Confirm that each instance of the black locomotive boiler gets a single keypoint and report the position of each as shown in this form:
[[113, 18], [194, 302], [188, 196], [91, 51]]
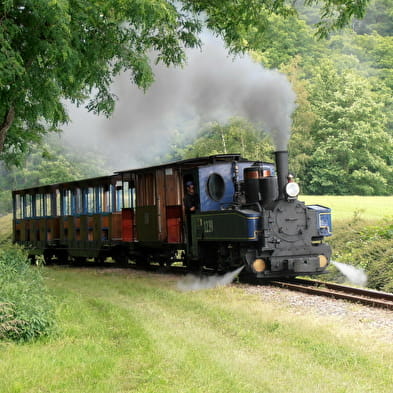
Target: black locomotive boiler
[[247, 214]]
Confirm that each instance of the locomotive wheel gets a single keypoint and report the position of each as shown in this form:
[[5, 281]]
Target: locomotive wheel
[[121, 259], [193, 265], [142, 262], [61, 257], [33, 259], [48, 257], [100, 260], [79, 260]]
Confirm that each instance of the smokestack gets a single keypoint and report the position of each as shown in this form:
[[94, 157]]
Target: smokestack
[[282, 171]]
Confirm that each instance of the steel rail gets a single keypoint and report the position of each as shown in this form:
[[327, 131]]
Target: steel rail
[[357, 295]]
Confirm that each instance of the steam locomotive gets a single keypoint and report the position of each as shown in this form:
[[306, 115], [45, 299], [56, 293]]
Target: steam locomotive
[[248, 215]]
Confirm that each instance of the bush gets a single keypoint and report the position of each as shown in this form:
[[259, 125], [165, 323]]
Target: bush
[[26, 310], [370, 247]]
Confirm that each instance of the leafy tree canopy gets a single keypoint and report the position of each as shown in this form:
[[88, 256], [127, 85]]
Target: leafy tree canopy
[[285, 38], [52, 50], [353, 149], [378, 18], [237, 136], [373, 51]]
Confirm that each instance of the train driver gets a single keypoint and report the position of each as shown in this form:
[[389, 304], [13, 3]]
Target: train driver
[[191, 205], [191, 200]]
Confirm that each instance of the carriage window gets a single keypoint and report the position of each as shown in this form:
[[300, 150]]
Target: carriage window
[[47, 204], [119, 196], [28, 210], [18, 207], [67, 202], [99, 198], [107, 199], [215, 186], [126, 199], [78, 201], [39, 207], [128, 194], [58, 203], [90, 196]]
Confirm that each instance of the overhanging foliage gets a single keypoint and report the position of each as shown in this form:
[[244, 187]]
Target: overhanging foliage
[[53, 50]]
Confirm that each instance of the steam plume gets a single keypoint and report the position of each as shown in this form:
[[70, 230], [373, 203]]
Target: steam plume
[[211, 87], [196, 283], [354, 275]]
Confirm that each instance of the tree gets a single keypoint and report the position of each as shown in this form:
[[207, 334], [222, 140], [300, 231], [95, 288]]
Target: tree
[[378, 18], [285, 38], [47, 164], [373, 51], [352, 149], [238, 136], [301, 144], [56, 50]]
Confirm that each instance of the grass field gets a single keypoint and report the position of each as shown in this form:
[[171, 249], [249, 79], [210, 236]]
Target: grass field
[[347, 207], [135, 332]]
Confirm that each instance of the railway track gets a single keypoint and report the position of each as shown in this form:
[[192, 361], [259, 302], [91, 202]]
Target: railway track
[[357, 295]]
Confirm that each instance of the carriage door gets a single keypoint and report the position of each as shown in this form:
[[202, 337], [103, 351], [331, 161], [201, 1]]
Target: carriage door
[[146, 208], [173, 206], [168, 202]]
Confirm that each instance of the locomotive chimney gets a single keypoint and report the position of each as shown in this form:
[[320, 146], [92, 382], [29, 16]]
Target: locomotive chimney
[[282, 171]]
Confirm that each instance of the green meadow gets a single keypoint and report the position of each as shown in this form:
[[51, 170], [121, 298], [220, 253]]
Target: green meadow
[[353, 206], [128, 331]]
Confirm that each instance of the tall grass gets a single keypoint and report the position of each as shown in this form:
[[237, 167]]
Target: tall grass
[[26, 311]]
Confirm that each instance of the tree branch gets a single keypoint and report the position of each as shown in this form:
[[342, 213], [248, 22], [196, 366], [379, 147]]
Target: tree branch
[[6, 125]]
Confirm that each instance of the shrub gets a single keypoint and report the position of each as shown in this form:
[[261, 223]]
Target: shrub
[[26, 310], [367, 246]]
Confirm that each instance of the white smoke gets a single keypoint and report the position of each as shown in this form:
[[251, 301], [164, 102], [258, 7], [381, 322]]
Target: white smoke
[[197, 283], [354, 275], [211, 87]]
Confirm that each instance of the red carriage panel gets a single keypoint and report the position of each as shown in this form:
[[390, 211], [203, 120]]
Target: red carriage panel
[[128, 223]]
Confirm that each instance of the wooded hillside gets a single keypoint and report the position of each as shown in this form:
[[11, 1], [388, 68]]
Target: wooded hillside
[[342, 132]]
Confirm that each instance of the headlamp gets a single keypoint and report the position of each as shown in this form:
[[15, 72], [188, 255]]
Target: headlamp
[[292, 189]]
